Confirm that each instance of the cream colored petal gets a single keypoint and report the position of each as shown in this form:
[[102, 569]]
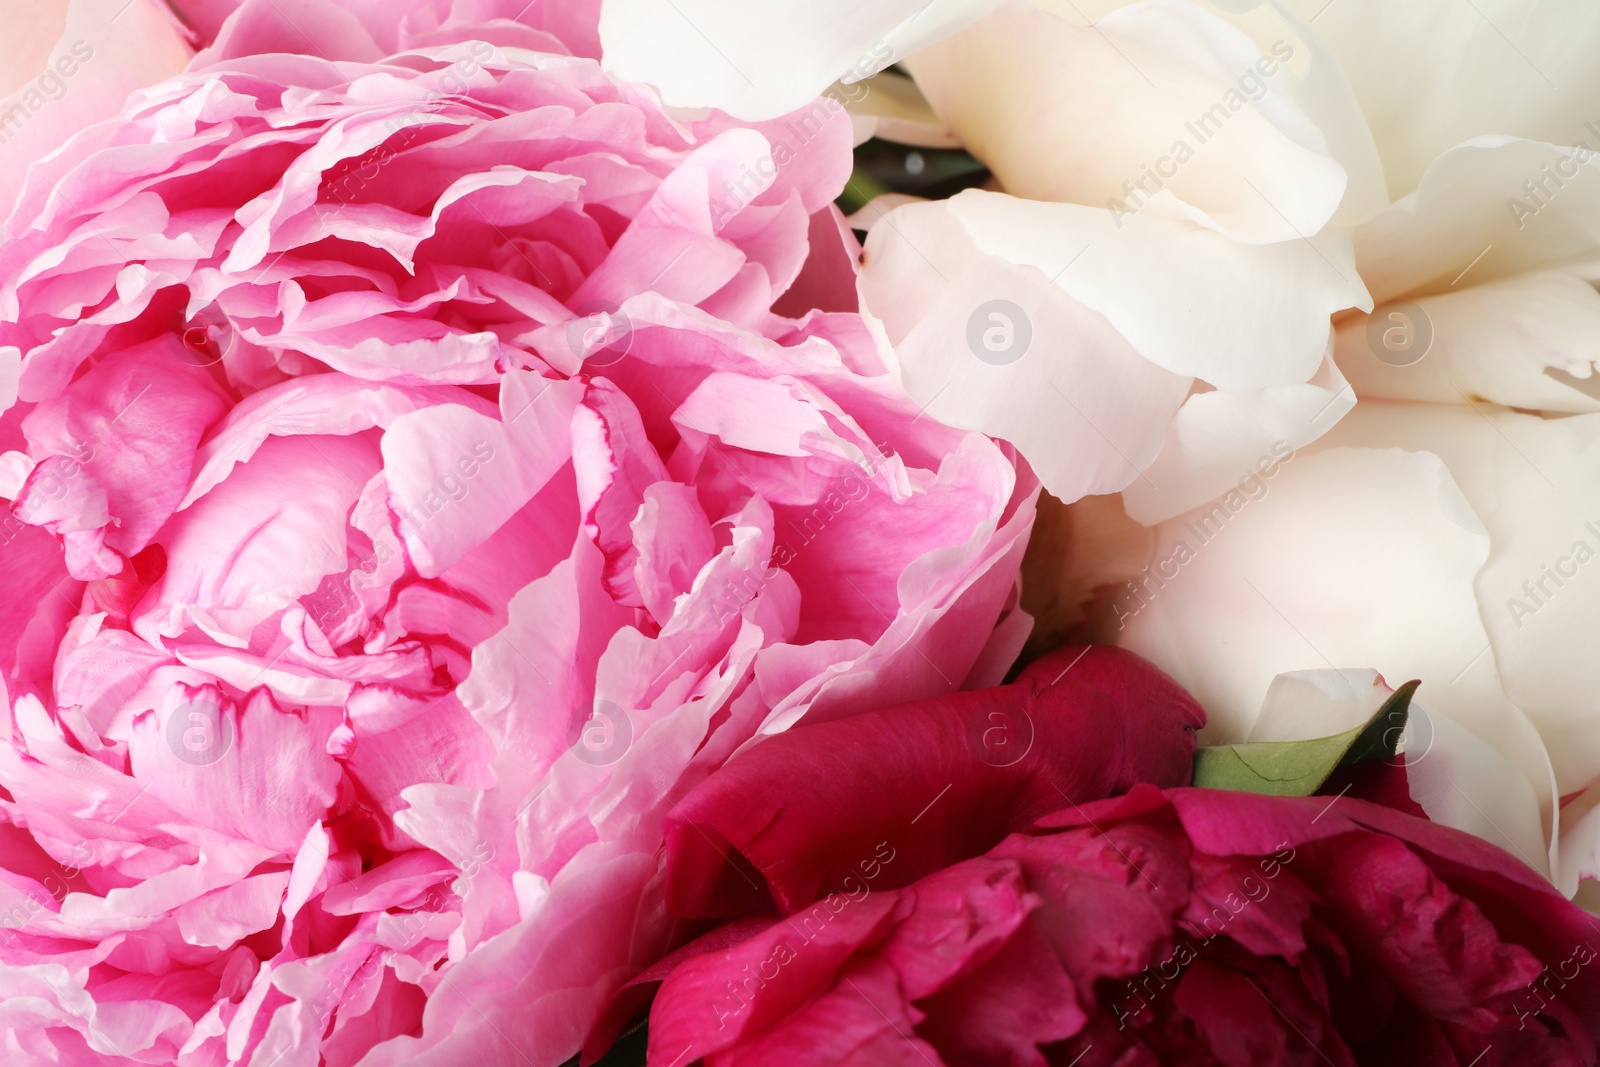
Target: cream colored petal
[[989, 345], [107, 50], [1238, 316], [1486, 209], [1220, 441], [1431, 74], [32, 29], [1535, 483], [1157, 98], [762, 60], [1463, 781], [1349, 556], [1457, 778], [1529, 341]]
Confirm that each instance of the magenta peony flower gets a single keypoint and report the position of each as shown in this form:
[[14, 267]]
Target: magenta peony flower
[[1166, 926], [429, 459]]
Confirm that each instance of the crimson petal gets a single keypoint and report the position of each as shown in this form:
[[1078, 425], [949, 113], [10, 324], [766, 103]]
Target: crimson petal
[[883, 798]]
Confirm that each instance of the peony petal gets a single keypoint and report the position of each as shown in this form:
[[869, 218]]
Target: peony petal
[[230, 914], [1220, 441], [758, 64], [1531, 592], [1192, 123], [138, 449], [1086, 408], [455, 476], [107, 49], [1439, 73], [1527, 341], [1456, 778], [265, 537], [1461, 225], [34, 29], [1275, 334], [695, 1009], [984, 764]]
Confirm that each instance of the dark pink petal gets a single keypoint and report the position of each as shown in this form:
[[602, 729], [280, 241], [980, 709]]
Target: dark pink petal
[[960, 917], [717, 1000], [639, 990], [1438, 948], [895, 794], [1018, 1000], [1246, 1021], [864, 1020], [1111, 894], [1256, 902]]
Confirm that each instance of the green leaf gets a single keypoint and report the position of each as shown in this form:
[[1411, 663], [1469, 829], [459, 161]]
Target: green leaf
[[1298, 768]]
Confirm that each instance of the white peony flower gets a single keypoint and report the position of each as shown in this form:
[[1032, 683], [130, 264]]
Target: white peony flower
[[1148, 305]]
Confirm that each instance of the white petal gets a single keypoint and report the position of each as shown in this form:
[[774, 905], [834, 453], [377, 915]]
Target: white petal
[[1454, 775], [1220, 441], [1305, 705], [1156, 98], [1530, 341], [1489, 208], [986, 345], [1535, 483], [1580, 840], [1240, 317], [1433, 73], [1460, 780], [1350, 556], [879, 206], [759, 61]]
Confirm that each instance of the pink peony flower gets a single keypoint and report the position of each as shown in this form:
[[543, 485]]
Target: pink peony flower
[[1165, 926], [429, 459]]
